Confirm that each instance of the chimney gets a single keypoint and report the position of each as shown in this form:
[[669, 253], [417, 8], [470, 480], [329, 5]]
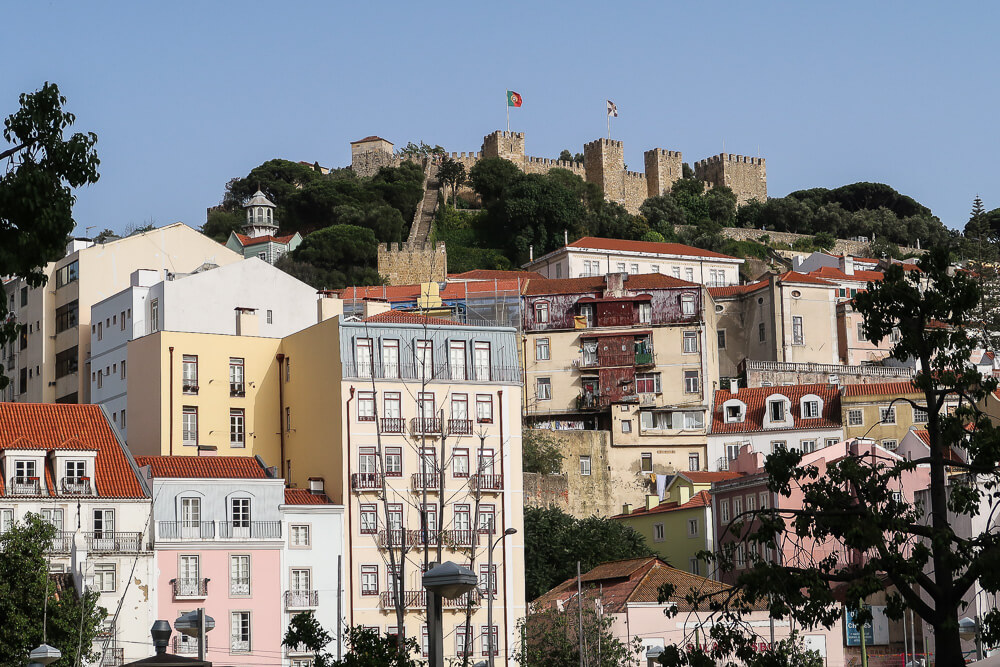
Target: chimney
[[246, 322], [627, 508], [652, 501], [847, 265], [316, 486], [734, 386], [328, 306], [376, 308]]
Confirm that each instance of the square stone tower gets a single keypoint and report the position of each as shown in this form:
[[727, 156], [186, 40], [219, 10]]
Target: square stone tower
[[746, 176], [508, 145], [604, 162], [663, 167]]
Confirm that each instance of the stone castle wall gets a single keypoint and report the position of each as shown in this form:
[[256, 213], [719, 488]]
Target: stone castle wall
[[746, 176], [411, 263]]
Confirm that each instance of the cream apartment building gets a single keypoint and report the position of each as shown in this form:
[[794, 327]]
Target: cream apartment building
[[50, 361]]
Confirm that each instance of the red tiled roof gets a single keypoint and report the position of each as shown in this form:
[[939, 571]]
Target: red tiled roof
[[596, 284], [57, 427], [490, 274], [880, 389], [700, 499], [208, 467], [834, 273], [404, 317], [734, 290], [756, 401], [305, 497], [248, 241], [644, 246]]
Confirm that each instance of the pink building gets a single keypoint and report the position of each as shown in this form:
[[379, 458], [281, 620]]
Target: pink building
[[218, 543]]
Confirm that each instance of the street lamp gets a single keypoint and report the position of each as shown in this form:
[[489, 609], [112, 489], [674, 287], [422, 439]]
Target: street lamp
[[450, 581], [490, 583]]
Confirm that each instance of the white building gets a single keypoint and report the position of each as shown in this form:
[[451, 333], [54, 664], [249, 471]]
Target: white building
[[202, 302], [805, 417], [69, 464], [592, 256]]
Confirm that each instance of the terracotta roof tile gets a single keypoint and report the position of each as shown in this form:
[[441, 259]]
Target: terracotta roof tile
[[206, 467], [305, 497], [596, 284], [880, 389], [644, 246], [52, 426], [756, 403]]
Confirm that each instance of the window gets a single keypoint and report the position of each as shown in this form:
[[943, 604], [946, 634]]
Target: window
[[887, 415], [920, 416], [724, 511], [626, 426], [237, 428], [64, 276], [645, 313], [236, 385], [369, 519], [456, 359], [104, 577], [239, 576], [721, 333], [363, 356], [777, 410], [541, 312], [300, 535], [425, 359], [366, 406], [890, 445], [189, 425], [810, 409], [855, 417], [692, 383], [393, 462], [543, 389], [390, 358], [481, 360], [490, 640], [585, 465], [541, 349], [189, 377], [761, 333], [460, 462], [240, 632], [690, 342], [647, 383], [154, 315], [798, 336], [687, 305], [66, 316], [658, 534], [484, 408], [692, 527], [647, 462], [693, 462]]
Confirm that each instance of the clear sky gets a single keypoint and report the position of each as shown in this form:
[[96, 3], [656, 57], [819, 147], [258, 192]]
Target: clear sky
[[186, 95]]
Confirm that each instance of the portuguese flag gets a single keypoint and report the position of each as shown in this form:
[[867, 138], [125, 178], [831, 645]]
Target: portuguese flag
[[513, 99]]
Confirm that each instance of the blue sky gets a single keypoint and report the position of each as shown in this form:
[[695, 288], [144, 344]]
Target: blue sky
[[185, 95]]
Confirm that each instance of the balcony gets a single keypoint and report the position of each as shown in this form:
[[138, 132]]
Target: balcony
[[418, 600], [25, 486], [253, 530], [425, 480], [187, 645], [301, 600], [460, 427], [185, 530], [366, 481], [486, 483], [425, 425], [112, 657], [75, 486], [106, 541], [393, 424], [190, 588]]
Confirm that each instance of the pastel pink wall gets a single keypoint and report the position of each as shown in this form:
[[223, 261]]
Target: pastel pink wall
[[265, 602]]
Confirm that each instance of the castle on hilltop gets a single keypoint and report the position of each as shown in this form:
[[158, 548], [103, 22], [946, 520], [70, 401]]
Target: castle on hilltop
[[603, 163]]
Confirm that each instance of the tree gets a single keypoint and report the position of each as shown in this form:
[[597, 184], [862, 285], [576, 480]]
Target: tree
[[557, 540], [911, 551], [368, 648], [540, 452], [452, 172], [25, 582], [220, 223], [305, 630], [36, 191], [335, 257], [552, 638]]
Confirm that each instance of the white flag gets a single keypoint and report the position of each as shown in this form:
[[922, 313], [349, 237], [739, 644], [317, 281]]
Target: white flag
[[612, 109]]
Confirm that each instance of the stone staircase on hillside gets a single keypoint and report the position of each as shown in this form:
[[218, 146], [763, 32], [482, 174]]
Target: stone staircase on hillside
[[420, 230]]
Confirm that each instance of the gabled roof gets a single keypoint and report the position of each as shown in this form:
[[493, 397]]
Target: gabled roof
[[881, 389], [596, 284], [651, 247], [60, 427], [305, 497], [756, 401], [203, 467], [245, 240], [404, 317]]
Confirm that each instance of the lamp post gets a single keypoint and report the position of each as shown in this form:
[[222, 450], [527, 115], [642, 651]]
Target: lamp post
[[490, 583], [450, 581]]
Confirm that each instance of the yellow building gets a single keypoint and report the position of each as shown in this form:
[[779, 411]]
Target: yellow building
[[50, 361], [681, 525], [876, 411]]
